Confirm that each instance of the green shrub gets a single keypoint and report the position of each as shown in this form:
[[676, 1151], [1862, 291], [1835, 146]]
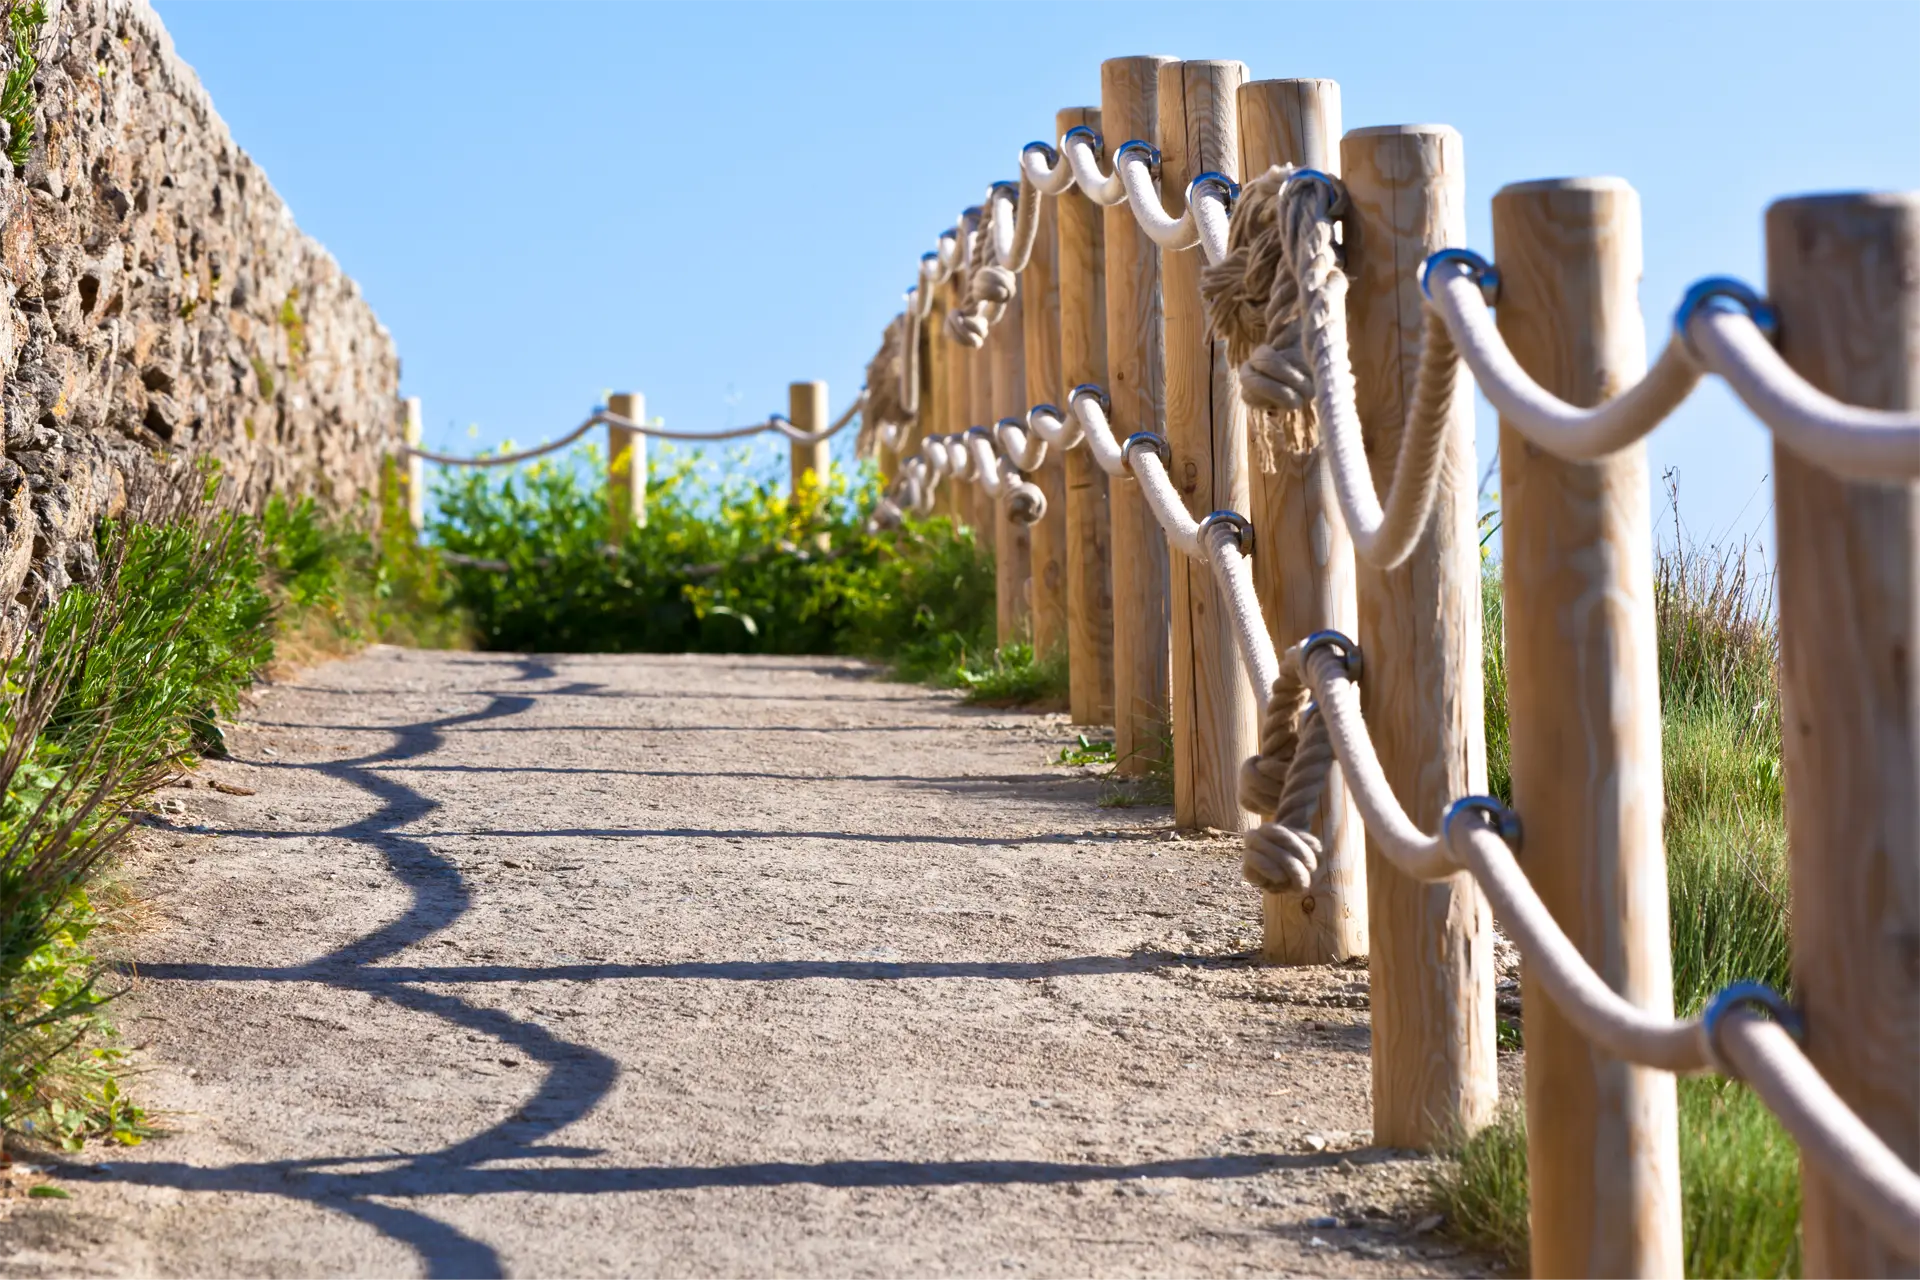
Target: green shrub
[[723, 564]]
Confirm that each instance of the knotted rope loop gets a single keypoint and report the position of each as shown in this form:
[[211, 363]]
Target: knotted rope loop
[[1283, 785]]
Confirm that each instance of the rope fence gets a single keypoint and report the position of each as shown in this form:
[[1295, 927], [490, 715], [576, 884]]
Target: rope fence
[[1267, 434], [1275, 286]]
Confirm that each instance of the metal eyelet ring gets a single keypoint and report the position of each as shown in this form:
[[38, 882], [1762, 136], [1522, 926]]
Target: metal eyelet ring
[[1151, 152], [1039, 409], [1012, 188], [1228, 188], [930, 255], [1011, 422], [1746, 995], [1336, 193], [1053, 157], [970, 219], [1095, 390], [1092, 135], [1241, 526], [1484, 273], [1727, 294], [977, 431], [1503, 821], [1349, 652], [1146, 440]]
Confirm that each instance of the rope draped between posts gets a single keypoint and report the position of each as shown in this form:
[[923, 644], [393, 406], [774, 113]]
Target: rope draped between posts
[[775, 422], [1276, 290]]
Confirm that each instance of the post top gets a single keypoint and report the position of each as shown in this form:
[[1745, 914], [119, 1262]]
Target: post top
[[1402, 130], [1603, 183]]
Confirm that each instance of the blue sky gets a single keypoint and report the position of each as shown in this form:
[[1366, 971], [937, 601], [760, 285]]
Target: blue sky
[[702, 203]]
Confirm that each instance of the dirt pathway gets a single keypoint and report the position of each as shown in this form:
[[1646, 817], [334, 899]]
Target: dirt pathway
[[709, 966]]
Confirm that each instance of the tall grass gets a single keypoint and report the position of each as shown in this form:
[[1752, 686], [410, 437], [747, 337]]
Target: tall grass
[[1727, 904]]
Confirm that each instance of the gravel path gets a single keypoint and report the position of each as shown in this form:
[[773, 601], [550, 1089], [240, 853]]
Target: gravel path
[[709, 966]]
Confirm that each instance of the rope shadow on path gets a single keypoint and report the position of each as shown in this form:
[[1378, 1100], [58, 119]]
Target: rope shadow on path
[[577, 1077]]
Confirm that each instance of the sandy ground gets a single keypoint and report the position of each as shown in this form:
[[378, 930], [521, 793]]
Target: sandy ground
[[709, 966]]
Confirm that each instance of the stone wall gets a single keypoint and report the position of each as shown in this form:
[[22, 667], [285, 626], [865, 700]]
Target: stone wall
[[161, 306]]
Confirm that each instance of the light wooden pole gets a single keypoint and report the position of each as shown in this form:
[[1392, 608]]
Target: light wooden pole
[[986, 518], [414, 467], [1303, 562], [1844, 272], [1013, 542], [946, 391], [1047, 537], [1584, 703], [1136, 371], [807, 408], [1214, 715], [1080, 264], [626, 467], [1431, 964]]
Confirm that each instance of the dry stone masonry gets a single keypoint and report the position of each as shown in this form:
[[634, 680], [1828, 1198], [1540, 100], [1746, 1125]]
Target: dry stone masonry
[[161, 306]]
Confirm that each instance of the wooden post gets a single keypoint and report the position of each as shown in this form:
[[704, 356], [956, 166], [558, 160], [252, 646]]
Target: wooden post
[[1040, 327], [1584, 701], [1303, 561], [626, 468], [415, 468], [1844, 271], [807, 407], [986, 517], [1214, 715], [1431, 964], [1136, 373], [1083, 359], [944, 378], [1013, 541]]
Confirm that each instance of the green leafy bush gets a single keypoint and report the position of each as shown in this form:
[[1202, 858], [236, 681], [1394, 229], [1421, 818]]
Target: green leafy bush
[[723, 564]]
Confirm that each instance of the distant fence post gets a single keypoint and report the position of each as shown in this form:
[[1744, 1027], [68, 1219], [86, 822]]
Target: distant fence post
[[415, 468], [1136, 371], [1431, 945], [626, 467], [1006, 359], [1584, 701], [1079, 267], [807, 410], [1047, 537], [1214, 715], [1303, 562], [1844, 272]]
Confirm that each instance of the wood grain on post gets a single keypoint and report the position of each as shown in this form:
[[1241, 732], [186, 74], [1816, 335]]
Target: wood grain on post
[[1047, 537], [1584, 704], [985, 517], [1214, 715], [945, 389], [807, 409], [1136, 382], [413, 468], [626, 468], [1081, 271], [1303, 559], [1013, 542], [1844, 272], [1431, 962]]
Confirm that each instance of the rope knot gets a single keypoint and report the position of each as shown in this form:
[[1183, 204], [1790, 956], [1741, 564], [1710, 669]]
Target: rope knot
[[1284, 784]]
